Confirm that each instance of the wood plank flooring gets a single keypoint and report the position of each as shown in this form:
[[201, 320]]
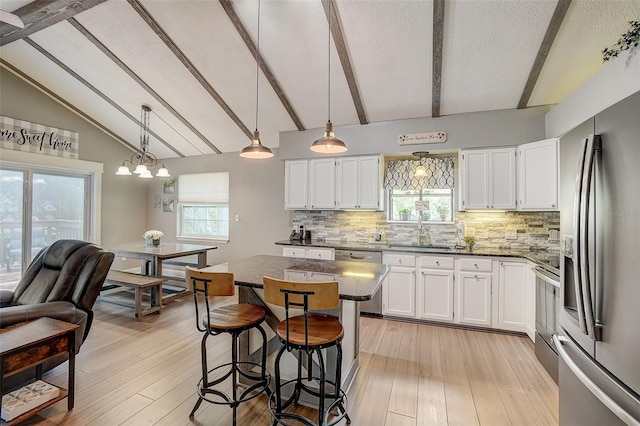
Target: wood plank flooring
[[145, 373]]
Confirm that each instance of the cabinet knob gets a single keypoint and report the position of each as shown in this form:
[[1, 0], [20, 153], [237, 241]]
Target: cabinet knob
[[438, 262], [476, 265], [553, 205], [400, 261], [475, 276]]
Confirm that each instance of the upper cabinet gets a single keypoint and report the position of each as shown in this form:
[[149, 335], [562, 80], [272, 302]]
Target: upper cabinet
[[488, 179], [358, 183], [538, 175], [334, 183], [295, 184]]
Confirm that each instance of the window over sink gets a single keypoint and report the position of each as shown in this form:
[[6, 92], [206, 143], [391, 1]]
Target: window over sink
[[429, 179]]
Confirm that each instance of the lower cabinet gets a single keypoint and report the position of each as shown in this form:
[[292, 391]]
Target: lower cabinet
[[399, 288], [474, 298], [435, 288], [512, 296], [309, 253]]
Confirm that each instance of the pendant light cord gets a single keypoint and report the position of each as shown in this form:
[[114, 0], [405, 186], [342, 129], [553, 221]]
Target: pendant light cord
[[258, 66], [329, 62]]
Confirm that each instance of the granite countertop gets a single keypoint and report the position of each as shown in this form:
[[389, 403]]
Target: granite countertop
[[549, 259], [356, 281]]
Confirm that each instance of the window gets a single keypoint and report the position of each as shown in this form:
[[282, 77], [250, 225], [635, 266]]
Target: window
[[203, 206], [434, 186]]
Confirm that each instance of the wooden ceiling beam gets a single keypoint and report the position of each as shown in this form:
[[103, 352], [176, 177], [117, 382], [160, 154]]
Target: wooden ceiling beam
[[153, 24], [227, 5], [41, 14], [95, 90], [543, 52], [85, 32], [343, 54], [438, 39]]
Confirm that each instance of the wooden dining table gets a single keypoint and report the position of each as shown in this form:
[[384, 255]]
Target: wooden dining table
[[151, 258]]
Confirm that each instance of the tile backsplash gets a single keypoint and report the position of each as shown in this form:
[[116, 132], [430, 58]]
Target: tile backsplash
[[538, 230]]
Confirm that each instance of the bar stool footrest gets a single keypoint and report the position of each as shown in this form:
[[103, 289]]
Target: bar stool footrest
[[252, 391]]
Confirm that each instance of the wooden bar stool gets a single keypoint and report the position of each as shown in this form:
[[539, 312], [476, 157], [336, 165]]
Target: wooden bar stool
[[308, 333], [232, 319]]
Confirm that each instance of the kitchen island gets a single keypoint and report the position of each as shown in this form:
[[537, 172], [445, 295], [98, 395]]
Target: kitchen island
[[356, 281]]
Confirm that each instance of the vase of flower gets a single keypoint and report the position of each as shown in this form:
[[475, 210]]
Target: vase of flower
[[152, 238]]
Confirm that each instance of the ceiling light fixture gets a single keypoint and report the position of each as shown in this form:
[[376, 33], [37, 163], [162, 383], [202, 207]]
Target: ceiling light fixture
[[143, 160], [329, 144], [256, 149]]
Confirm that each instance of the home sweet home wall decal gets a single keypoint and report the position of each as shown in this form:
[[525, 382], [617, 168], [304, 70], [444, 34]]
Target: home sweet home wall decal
[[20, 135]]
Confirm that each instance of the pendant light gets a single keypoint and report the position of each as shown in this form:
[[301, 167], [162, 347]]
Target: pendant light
[[256, 150], [329, 144]]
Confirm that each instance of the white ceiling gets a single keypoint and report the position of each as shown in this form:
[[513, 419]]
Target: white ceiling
[[488, 50]]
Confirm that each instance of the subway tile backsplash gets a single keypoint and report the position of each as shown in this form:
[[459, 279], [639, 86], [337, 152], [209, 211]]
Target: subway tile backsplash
[[526, 230]]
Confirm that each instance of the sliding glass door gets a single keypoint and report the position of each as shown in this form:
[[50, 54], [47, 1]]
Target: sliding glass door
[[39, 207]]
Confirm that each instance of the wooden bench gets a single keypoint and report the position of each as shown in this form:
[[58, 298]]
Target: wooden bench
[[137, 283]]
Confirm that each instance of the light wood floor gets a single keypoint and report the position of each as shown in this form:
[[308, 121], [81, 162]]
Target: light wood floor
[[145, 373]]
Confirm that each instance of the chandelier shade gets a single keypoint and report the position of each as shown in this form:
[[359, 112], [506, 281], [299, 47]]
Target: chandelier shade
[[143, 161]]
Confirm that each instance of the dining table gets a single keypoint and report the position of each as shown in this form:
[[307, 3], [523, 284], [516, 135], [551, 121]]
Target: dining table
[[357, 282], [151, 259]]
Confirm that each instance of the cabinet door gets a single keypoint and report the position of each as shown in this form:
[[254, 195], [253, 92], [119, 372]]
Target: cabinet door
[[538, 175], [347, 183], [322, 184], [475, 192], [295, 184], [320, 253], [512, 306], [294, 252], [435, 295], [474, 299], [502, 178], [399, 289], [369, 182]]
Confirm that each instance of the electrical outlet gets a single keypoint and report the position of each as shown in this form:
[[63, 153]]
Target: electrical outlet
[[553, 234], [511, 234]]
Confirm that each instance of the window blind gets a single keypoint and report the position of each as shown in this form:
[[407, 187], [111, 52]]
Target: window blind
[[204, 188]]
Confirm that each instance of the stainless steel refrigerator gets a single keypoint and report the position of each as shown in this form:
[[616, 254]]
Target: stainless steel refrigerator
[[599, 337]]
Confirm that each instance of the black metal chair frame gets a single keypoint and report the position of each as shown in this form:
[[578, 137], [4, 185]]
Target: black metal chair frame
[[206, 387], [338, 395]]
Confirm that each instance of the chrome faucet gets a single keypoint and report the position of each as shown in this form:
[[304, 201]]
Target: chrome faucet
[[423, 235]]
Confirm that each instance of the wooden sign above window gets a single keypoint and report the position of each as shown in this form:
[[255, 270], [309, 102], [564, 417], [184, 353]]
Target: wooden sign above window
[[420, 138], [20, 135]]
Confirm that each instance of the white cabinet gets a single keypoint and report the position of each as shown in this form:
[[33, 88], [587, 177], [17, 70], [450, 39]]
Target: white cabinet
[[512, 296], [473, 291], [435, 288], [399, 287], [322, 184], [538, 175], [295, 184], [358, 183], [488, 179], [530, 301], [309, 253]]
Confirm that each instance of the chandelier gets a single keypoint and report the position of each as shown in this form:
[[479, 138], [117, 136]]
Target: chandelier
[[143, 160]]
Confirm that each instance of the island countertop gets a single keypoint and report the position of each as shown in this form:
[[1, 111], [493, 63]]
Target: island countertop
[[356, 281]]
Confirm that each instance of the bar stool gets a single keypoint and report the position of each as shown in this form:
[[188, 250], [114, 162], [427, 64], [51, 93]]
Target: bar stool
[[232, 319], [308, 334]]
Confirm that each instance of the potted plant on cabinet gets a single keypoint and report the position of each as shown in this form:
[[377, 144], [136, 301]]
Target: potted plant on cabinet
[[404, 213]]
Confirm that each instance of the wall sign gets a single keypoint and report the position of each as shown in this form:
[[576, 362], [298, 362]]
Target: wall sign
[[420, 138], [20, 135]]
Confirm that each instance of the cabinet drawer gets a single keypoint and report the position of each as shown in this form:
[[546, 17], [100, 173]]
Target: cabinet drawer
[[436, 262], [474, 264], [399, 259]]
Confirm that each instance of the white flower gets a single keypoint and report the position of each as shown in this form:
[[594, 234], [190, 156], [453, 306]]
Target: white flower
[[153, 234]]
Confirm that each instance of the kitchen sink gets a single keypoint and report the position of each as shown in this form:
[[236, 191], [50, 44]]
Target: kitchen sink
[[421, 247]]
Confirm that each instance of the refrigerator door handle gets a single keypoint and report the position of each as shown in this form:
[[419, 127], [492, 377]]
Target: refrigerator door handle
[[577, 239], [585, 245], [593, 388]]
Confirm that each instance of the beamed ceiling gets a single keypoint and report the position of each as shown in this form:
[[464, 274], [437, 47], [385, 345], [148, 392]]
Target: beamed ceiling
[[194, 61]]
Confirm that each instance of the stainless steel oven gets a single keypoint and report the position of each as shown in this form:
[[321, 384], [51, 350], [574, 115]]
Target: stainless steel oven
[[547, 311]]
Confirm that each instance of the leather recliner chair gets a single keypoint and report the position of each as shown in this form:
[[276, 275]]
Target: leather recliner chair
[[62, 282]]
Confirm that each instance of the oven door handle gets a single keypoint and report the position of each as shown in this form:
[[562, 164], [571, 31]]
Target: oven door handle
[[547, 278]]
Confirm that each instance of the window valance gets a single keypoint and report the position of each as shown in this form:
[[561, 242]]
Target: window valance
[[401, 174]]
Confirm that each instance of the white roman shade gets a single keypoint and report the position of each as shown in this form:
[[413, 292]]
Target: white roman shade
[[204, 188]]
